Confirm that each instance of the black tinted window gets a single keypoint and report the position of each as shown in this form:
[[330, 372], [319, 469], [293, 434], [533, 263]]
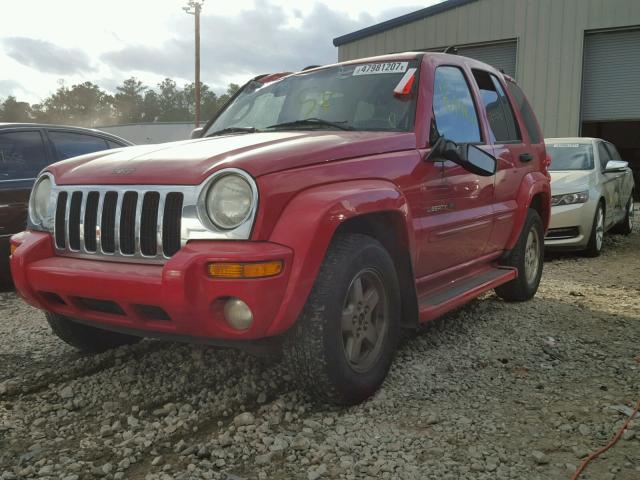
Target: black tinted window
[[528, 116], [613, 151], [68, 144], [499, 113], [453, 107], [604, 155], [22, 155]]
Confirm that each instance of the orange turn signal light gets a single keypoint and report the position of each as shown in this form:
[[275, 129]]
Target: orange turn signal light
[[245, 270], [12, 249]]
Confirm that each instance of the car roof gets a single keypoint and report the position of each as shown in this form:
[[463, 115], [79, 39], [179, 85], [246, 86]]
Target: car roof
[[69, 128], [404, 56]]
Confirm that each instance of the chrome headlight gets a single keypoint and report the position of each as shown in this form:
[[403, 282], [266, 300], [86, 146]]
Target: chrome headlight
[[569, 198], [230, 200], [40, 202]]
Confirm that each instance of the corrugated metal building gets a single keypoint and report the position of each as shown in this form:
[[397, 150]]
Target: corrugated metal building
[[578, 60]]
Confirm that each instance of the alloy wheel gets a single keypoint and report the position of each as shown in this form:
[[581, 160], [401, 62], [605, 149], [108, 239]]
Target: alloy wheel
[[600, 229], [365, 320], [532, 256]]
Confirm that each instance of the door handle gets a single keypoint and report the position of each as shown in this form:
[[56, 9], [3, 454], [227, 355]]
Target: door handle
[[526, 157]]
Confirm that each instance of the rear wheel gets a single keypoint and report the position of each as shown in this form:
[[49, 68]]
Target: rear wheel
[[85, 338], [626, 226], [528, 257], [596, 238], [342, 345]]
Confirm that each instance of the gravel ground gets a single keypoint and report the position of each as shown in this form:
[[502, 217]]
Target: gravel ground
[[491, 391]]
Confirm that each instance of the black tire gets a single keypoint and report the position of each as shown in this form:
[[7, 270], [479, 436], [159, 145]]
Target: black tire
[[525, 286], [625, 227], [315, 347], [595, 245], [85, 338]]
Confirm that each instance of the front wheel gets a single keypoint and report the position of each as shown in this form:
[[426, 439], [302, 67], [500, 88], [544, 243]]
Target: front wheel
[[528, 258], [596, 238], [85, 338], [342, 345]]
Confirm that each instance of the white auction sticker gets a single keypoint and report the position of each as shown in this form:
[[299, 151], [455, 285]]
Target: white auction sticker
[[374, 68]]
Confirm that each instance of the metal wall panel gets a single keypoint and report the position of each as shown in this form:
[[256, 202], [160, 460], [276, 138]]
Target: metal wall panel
[[502, 56], [611, 85], [550, 36]]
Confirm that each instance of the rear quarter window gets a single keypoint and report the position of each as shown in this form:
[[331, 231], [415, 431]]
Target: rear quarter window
[[529, 118]]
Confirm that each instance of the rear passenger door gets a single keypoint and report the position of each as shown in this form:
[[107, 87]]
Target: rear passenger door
[[519, 150], [22, 155]]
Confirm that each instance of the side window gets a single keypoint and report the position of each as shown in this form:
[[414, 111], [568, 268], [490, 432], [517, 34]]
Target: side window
[[22, 155], [70, 144], [502, 121], [613, 151], [526, 112], [603, 153], [453, 107]]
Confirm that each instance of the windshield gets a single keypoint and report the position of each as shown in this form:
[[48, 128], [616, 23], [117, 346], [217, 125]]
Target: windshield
[[570, 156], [347, 97]]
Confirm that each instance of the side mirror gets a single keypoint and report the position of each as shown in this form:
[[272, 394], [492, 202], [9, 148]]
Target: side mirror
[[197, 132], [468, 156], [616, 166]]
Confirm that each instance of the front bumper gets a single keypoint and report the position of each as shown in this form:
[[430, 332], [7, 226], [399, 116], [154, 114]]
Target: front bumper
[[177, 299], [572, 224]]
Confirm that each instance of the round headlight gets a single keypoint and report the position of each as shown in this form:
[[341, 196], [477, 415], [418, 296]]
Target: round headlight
[[40, 200], [229, 201]]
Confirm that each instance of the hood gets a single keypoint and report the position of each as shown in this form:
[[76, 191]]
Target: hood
[[571, 181], [191, 162]]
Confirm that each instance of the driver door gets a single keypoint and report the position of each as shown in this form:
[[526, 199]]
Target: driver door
[[458, 213]]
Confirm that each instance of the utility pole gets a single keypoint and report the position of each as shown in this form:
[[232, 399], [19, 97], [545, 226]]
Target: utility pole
[[193, 8]]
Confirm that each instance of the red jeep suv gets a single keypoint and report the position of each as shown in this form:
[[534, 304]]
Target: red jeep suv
[[320, 212]]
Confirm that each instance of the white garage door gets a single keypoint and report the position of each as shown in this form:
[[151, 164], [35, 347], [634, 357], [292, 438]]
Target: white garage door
[[502, 56], [611, 76]]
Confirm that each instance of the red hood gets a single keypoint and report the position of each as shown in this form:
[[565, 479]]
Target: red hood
[[191, 162]]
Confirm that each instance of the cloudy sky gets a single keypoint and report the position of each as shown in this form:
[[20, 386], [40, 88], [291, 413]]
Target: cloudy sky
[[44, 43]]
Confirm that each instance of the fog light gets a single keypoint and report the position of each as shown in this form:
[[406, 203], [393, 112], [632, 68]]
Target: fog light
[[238, 314]]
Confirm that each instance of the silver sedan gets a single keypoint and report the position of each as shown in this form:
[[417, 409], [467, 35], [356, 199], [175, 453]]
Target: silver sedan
[[592, 193]]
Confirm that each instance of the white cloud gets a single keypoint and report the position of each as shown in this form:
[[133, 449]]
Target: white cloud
[[106, 42]]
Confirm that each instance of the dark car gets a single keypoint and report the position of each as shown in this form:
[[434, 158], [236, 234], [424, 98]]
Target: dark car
[[25, 149]]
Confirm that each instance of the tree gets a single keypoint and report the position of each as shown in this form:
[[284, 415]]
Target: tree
[[151, 110], [83, 104], [208, 101], [12, 110], [231, 90], [173, 107], [86, 104], [129, 102]]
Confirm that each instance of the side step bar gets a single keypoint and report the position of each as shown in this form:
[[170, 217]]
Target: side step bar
[[458, 292]]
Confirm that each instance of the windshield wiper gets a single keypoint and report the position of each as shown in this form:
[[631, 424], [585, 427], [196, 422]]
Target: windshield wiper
[[233, 130], [313, 122]]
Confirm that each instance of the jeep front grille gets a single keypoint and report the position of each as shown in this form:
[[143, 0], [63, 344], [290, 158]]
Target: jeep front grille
[[138, 224]]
